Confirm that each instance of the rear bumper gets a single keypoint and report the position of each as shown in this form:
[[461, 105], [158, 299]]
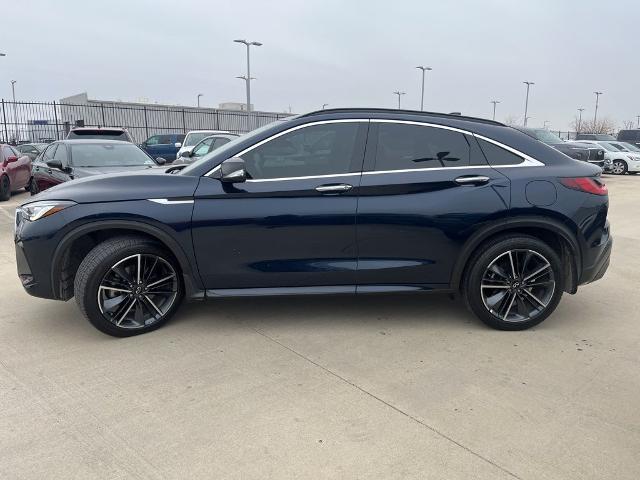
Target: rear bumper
[[597, 270]]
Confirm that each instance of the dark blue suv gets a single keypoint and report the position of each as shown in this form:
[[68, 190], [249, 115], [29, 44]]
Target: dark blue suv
[[335, 201]]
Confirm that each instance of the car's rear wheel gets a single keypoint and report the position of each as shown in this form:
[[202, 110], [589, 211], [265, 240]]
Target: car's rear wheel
[[619, 167], [5, 188], [128, 285], [514, 282]]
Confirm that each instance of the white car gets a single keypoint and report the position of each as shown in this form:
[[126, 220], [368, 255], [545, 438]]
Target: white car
[[194, 137], [624, 157]]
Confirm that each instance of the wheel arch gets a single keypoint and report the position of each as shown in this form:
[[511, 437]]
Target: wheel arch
[[553, 232], [78, 242]]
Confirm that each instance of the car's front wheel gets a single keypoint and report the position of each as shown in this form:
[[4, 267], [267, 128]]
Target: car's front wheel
[[128, 285], [514, 282]]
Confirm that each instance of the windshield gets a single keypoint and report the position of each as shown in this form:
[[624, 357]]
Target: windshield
[[104, 155], [193, 138], [547, 137], [232, 144], [629, 146]]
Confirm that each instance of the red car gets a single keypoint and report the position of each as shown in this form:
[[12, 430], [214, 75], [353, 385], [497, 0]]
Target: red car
[[15, 171]]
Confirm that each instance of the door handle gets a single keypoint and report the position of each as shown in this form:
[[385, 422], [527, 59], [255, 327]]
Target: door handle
[[472, 180], [335, 188]]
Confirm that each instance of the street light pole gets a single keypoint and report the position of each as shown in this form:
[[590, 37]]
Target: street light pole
[[638, 118], [526, 103], [324, 105], [595, 114], [248, 76], [199, 95], [495, 102], [579, 128], [399, 94], [424, 69], [15, 115]]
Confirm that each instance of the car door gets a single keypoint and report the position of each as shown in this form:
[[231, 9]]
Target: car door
[[292, 223], [423, 191], [165, 147], [18, 169], [151, 145]]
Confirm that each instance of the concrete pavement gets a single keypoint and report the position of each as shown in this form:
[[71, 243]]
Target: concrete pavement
[[389, 387]]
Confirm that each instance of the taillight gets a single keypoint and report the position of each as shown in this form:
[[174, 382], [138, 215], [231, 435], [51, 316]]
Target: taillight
[[586, 184]]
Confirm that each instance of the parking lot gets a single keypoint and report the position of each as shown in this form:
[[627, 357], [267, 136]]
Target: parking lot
[[392, 386]]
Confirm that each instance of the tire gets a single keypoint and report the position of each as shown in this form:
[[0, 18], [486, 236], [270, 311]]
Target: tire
[[619, 167], [33, 187], [5, 188], [98, 286], [484, 282]]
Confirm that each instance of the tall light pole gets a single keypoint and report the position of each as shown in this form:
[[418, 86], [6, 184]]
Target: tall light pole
[[579, 128], [424, 69], [495, 102], [595, 114], [526, 102], [248, 77], [544, 125], [199, 95], [15, 115], [638, 118], [399, 94], [324, 105]]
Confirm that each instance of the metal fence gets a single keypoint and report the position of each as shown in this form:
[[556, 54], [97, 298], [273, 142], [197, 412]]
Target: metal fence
[[48, 121]]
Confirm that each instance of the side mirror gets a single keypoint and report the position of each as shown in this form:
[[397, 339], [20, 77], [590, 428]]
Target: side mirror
[[160, 161], [12, 159], [177, 145], [186, 154], [233, 170], [54, 164]]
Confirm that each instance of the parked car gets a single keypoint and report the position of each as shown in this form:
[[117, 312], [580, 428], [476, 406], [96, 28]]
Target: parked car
[[575, 150], [70, 159], [15, 169], [205, 146], [594, 136], [630, 136], [32, 150], [333, 201], [101, 133], [620, 157], [165, 146], [194, 137]]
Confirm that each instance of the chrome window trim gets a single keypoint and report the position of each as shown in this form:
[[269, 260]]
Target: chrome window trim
[[167, 201], [528, 161], [292, 129]]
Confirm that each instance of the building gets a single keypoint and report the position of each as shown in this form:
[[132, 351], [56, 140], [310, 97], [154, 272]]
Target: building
[[145, 119]]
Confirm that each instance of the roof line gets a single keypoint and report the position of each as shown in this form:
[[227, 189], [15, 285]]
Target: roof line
[[402, 111]]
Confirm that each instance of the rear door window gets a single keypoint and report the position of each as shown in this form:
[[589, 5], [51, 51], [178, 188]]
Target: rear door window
[[405, 147]]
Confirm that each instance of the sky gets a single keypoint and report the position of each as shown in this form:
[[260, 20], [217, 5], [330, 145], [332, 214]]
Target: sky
[[340, 52]]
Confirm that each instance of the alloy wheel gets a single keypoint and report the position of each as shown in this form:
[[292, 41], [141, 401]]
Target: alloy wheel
[[618, 168], [518, 285], [138, 291]]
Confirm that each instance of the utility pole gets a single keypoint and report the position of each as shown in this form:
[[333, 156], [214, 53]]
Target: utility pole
[[399, 94], [199, 95], [595, 114], [638, 118], [579, 127], [248, 77], [526, 103], [495, 102], [424, 69], [15, 115]]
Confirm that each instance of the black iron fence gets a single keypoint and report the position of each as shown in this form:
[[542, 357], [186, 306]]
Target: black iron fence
[[49, 121]]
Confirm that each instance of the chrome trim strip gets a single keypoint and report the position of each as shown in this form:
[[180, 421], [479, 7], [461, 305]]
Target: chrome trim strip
[[166, 201], [292, 129], [303, 178], [435, 169]]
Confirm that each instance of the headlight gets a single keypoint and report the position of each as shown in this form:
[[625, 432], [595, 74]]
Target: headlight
[[36, 210]]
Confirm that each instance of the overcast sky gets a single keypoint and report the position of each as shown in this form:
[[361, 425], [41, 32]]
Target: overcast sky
[[340, 52]]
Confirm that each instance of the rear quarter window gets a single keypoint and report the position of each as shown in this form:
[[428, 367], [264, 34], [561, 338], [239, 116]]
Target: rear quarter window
[[498, 156]]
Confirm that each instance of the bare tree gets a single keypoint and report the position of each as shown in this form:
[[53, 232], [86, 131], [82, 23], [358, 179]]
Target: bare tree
[[628, 124], [602, 125]]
